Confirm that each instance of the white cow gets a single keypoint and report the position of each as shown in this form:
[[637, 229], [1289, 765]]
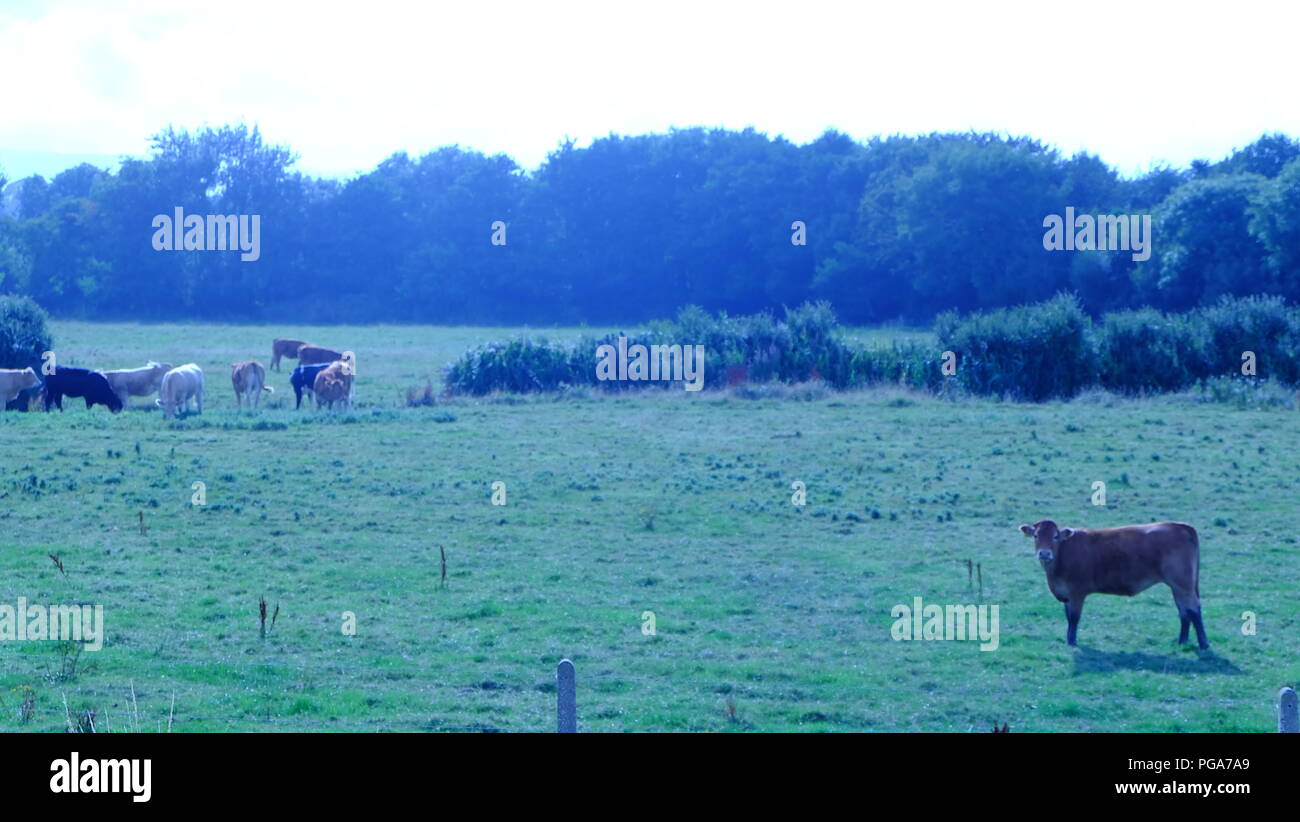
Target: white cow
[[178, 386], [13, 381]]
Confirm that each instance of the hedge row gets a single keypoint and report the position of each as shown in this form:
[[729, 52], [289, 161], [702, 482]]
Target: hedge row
[[1035, 352], [1053, 349], [805, 345]]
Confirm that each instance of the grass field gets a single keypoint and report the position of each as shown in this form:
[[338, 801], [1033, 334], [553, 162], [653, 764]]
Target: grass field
[[768, 616]]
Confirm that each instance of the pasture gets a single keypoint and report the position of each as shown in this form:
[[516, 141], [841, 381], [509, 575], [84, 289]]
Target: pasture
[[769, 617]]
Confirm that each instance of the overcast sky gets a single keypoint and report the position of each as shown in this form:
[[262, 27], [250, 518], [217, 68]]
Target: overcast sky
[[1134, 83]]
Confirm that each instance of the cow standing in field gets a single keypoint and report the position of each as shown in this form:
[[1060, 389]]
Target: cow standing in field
[[284, 348], [80, 382], [1124, 561], [314, 354], [334, 384], [304, 379], [179, 386], [137, 382], [249, 380], [14, 381]]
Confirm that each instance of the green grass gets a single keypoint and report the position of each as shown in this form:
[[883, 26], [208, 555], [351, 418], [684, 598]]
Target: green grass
[[664, 501]]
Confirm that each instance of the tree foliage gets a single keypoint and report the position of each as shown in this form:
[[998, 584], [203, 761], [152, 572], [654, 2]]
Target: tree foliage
[[630, 228]]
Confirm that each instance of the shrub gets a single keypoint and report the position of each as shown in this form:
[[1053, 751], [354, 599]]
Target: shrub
[[1031, 352], [519, 365], [24, 332], [813, 349], [1264, 325], [907, 364], [1145, 350], [24, 336]]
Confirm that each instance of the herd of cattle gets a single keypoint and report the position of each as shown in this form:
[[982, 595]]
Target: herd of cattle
[[324, 372]]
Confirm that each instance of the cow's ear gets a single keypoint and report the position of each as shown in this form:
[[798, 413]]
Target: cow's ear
[[1065, 533], [1027, 530]]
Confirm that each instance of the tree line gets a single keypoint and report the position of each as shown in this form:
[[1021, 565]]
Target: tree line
[[632, 228]]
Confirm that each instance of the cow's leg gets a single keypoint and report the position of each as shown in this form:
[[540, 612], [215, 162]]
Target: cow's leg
[[1200, 630], [1189, 611], [1073, 609]]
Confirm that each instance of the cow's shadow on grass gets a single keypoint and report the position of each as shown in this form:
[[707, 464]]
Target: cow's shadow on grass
[[1093, 661]]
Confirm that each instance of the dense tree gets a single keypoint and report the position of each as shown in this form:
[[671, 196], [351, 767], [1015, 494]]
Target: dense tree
[[631, 228], [1204, 248], [1275, 223]]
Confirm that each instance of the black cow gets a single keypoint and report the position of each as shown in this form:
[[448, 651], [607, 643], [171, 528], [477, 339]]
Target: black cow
[[80, 382], [303, 378]]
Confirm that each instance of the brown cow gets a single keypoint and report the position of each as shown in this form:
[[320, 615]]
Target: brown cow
[[137, 382], [284, 348], [309, 354], [1124, 561], [334, 384], [249, 380]]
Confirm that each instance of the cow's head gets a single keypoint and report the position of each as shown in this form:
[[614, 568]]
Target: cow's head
[[29, 379], [1047, 538]]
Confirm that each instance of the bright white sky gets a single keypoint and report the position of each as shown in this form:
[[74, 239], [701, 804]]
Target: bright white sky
[[346, 85]]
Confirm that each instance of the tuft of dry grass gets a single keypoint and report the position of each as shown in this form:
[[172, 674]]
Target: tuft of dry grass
[[417, 397]]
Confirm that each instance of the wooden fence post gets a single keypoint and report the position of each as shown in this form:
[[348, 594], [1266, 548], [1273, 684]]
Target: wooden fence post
[[566, 699], [1288, 720]]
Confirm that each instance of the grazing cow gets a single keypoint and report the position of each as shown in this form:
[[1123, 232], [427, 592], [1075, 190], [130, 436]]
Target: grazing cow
[[14, 381], [29, 399], [284, 348], [249, 380], [304, 379], [178, 386], [80, 382], [312, 354], [137, 382], [334, 384], [1124, 561]]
